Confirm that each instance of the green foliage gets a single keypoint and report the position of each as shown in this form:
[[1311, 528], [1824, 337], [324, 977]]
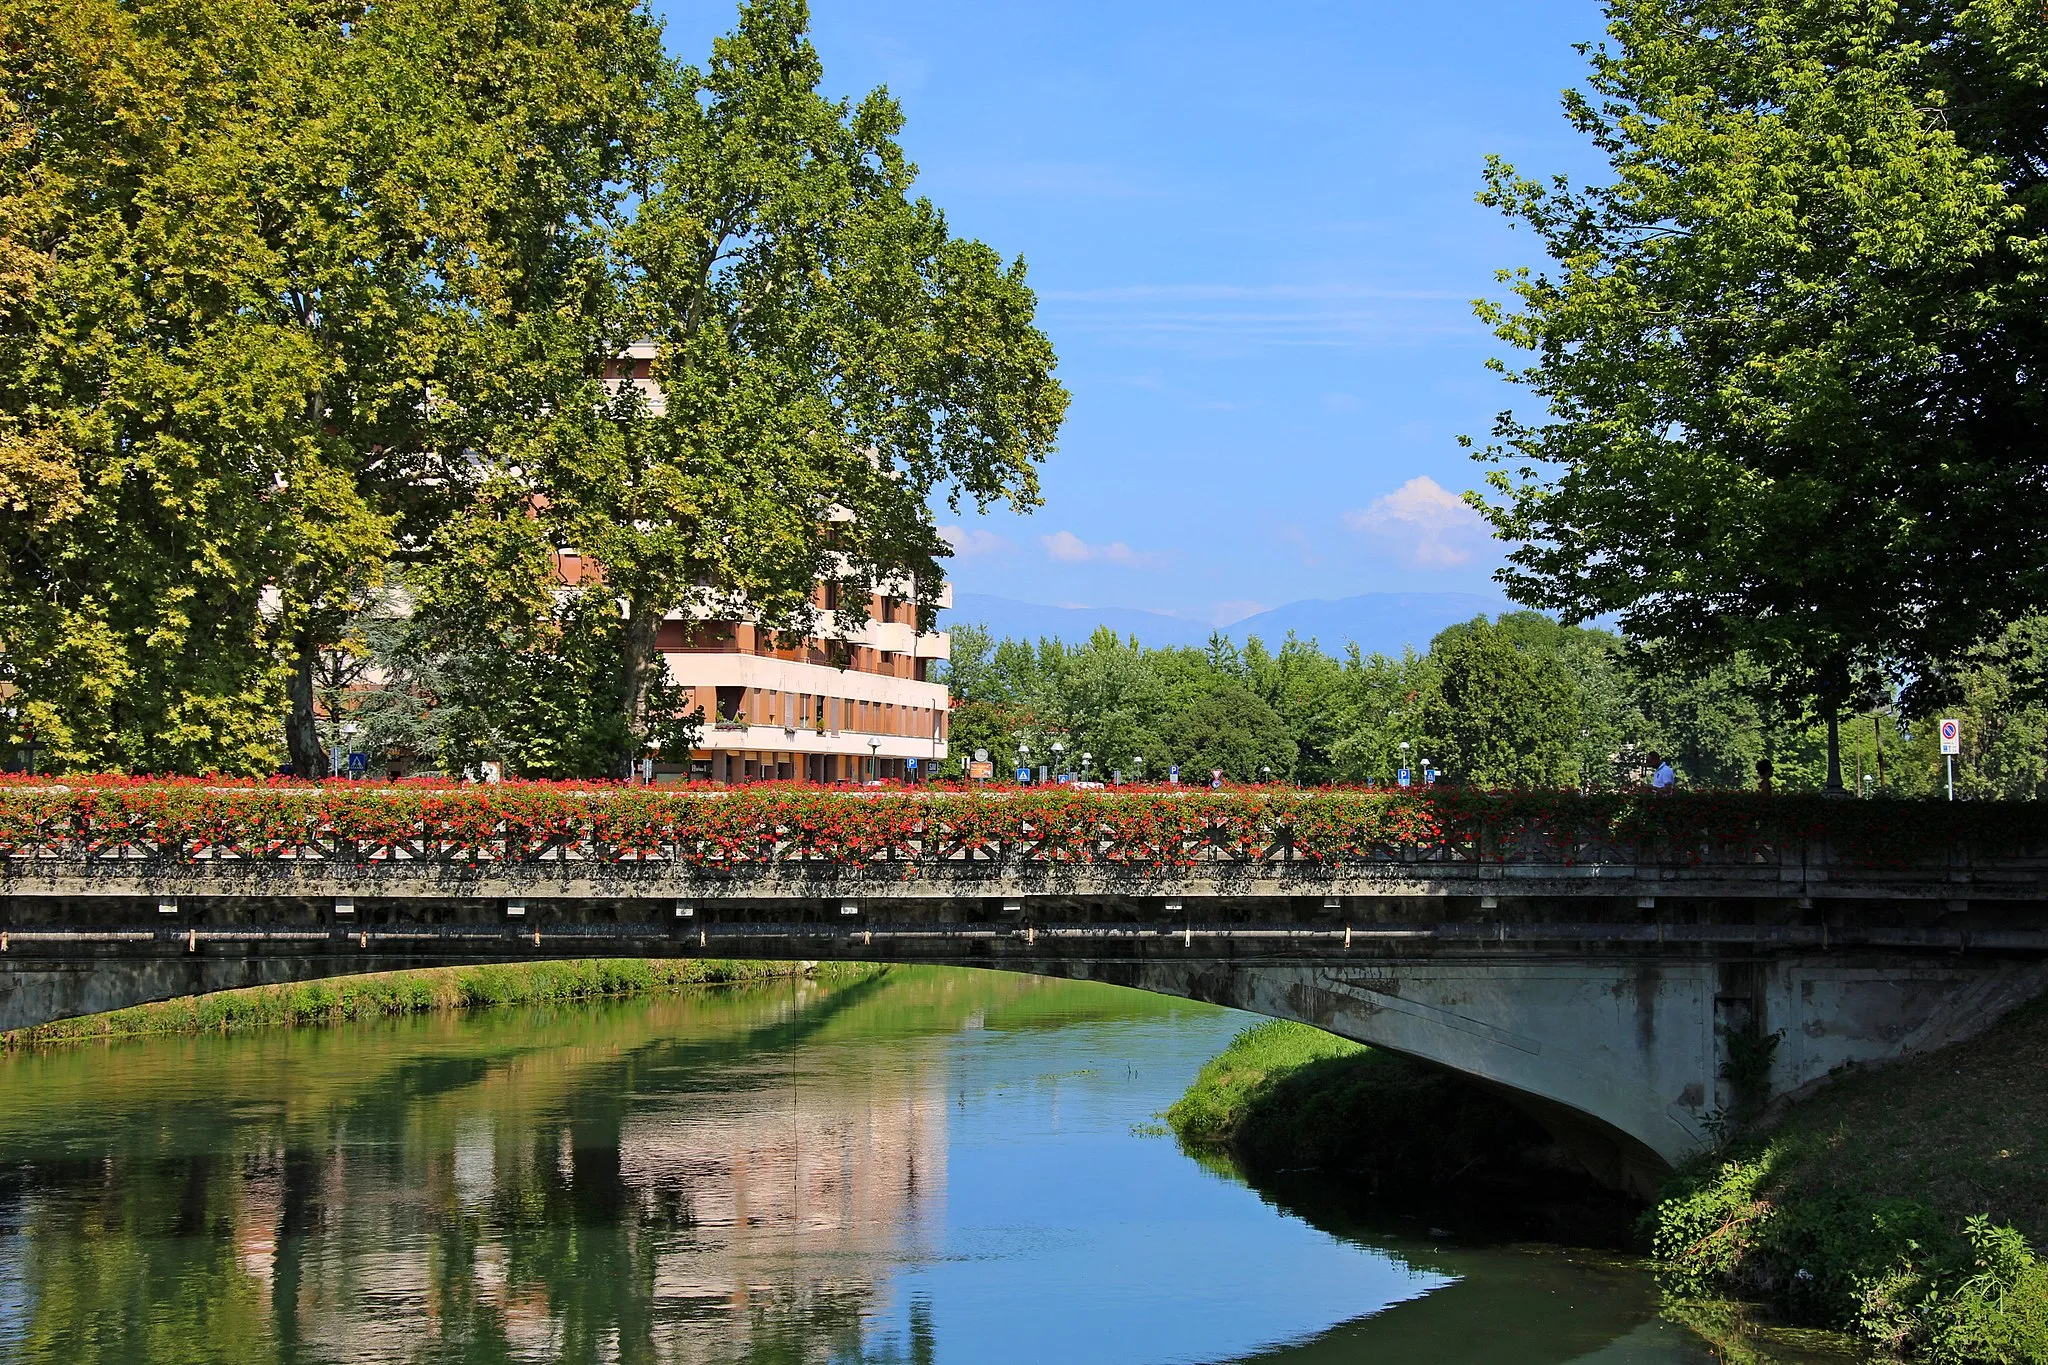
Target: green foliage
[[1285, 1097], [283, 294], [1898, 1203], [1502, 714], [1231, 730], [830, 359], [386, 994], [1788, 353], [1521, 681], [273, 280], [1209, 1113]]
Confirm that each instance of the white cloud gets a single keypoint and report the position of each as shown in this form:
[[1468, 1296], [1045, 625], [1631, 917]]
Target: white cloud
[[969, 543], [1430, 525], [1069, 548]]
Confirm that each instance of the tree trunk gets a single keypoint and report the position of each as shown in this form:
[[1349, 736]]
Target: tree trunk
[[1835, 787], [635, 670], [301, 726]]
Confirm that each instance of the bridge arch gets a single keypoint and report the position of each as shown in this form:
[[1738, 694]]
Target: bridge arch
[[1620, 1059]]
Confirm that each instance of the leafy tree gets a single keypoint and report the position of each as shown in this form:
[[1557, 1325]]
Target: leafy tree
[[271, 280], [530, 679], [1790, 352], [1229, 728], [1502, 715], [830, 358]]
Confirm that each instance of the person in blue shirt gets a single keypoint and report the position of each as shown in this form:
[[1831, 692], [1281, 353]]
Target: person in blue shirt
[[1663, 780]]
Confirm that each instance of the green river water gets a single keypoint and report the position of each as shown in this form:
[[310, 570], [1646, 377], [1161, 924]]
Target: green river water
[[923, 1165]]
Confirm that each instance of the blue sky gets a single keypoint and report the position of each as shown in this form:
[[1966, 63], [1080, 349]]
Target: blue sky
[[1253, 238]]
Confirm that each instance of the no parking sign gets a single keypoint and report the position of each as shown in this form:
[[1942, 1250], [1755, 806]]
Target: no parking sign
[[1951, 737]]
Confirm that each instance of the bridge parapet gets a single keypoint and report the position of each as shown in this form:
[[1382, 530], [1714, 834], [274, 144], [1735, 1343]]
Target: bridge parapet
[[1265, 832]]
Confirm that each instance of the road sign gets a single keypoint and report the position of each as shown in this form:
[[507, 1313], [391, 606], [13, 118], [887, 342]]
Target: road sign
[[1951, 737], [981, 770], [981, 755], [358, 762], [911, 763], [1404, 777], [1023, 774], [1173, 773]]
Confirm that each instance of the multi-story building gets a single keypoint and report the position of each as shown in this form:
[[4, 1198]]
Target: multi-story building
[[787, 711]]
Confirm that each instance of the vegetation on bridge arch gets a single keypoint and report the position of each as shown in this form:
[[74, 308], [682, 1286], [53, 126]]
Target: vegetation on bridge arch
[[1138, 828]]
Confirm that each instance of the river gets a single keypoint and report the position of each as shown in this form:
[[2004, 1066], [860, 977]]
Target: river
[[923, 1165]]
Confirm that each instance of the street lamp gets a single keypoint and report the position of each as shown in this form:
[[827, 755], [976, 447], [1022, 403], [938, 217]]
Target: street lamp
[[874, 759], [1139, 763], [1059, 752], [1265, 773], [1085, 757]]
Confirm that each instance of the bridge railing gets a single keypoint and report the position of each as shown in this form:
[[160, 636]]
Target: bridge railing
[[1149, 829]]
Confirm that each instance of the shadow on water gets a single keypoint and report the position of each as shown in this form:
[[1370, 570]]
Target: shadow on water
[[1566, 1305], [922, 1165]]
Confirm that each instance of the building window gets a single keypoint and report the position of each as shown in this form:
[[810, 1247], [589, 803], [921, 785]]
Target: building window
[[731, 702]]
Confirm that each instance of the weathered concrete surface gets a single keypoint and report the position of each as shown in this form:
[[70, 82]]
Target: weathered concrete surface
[[1600, 998]]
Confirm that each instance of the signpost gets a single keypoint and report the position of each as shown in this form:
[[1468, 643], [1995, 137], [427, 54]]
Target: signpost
[[1404, 777], [1951, 745], [1173, 774]]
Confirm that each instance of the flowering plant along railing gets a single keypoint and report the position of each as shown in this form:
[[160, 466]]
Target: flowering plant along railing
[[193, 820]]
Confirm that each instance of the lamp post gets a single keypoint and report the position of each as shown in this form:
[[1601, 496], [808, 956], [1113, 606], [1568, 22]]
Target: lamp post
[[1265, 773], [1404, 757], [1139, 763], [874, 759], [1085, 757], [1059, 752]]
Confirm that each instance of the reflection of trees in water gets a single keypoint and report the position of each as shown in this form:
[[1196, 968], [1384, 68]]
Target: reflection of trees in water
[[731, 1180]]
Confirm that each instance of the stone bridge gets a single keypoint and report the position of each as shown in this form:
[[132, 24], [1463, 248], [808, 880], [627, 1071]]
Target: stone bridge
[[1601, 994]]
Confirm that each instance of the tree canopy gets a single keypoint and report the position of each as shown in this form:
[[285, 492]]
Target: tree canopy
[[307, 312], [1517, 701], [1789, 355]]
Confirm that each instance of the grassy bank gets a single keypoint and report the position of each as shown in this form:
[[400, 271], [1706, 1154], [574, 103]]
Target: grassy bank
[[1905, 1203], [1285, 1098], [409, 992]]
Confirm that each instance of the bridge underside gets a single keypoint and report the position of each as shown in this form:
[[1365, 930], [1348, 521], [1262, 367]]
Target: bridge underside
[[1610, 1025]]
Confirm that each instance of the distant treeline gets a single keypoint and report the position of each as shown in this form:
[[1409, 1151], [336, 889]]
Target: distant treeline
[[1515, 701]]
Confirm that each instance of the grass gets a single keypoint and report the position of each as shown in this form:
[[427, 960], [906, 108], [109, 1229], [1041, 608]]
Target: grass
[[1387, 1133], [1905, 1202], [384, 994]]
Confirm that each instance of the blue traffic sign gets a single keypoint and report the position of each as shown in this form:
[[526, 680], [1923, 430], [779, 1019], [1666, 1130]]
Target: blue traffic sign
[[1404, 777]]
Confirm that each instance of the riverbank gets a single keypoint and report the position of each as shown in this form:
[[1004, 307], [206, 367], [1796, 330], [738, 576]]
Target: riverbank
[[1285, 1100], [420, 991], [1907, 1203]]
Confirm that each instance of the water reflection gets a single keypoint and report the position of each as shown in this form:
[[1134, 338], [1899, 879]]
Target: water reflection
[[921, 1165]]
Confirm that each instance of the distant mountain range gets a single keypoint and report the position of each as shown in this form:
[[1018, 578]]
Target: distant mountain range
[[1378, 622]]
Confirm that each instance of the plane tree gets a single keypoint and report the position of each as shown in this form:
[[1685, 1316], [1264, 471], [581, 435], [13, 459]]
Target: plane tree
[[1788, 354], [830, 357]]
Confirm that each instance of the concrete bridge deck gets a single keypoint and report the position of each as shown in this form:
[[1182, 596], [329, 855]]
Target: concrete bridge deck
[[1596, 984]]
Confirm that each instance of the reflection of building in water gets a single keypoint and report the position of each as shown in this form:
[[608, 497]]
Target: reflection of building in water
[[711, 1224]]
